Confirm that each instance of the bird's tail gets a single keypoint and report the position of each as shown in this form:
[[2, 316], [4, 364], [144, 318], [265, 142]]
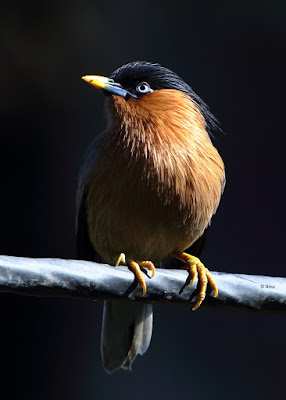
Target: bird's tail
[[126, 332]]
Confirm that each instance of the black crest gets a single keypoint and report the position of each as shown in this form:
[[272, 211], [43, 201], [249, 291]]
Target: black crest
[[158, 77]]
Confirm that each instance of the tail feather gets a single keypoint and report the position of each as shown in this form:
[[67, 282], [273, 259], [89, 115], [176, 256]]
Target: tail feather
[[126, 332]]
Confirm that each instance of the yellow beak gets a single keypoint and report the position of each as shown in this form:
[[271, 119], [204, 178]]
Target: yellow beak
[[100, 82], [107, 84]]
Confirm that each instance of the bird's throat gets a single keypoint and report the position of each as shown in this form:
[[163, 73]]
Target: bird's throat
[[164, 133]]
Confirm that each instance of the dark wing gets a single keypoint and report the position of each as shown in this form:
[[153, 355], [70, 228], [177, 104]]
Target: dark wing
[[84, 247], [196, 248], [85, 250]]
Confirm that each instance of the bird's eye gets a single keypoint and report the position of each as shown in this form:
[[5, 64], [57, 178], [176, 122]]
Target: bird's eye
[[143, 88]]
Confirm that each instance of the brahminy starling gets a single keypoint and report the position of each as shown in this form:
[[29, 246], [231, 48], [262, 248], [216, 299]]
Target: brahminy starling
[[148, 188]]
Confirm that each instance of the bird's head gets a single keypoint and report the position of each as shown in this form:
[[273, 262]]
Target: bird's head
[[138, 88]]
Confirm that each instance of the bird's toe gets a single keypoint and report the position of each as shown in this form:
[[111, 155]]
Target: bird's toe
[[197, 270]]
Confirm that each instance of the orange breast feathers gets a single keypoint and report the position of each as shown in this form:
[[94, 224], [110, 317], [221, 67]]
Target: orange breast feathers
[[157, 179]]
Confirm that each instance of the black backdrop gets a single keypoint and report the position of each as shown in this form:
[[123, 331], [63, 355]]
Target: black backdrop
[[233, 54]]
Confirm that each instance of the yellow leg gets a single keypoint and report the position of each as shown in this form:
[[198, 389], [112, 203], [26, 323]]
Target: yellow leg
[[135, 267], [196, 270]]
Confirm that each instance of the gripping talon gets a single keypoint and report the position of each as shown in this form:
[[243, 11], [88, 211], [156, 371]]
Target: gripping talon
[[193, 272], [212, 282], [149, 265], [121, 259], [203, 286], [196, 270], [135, 268]]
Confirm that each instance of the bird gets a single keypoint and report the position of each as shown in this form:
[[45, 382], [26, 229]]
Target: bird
[[147, 190]]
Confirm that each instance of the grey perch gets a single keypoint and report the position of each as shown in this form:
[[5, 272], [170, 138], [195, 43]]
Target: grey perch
[[88, 280]]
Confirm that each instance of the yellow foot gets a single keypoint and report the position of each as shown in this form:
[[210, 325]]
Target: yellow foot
[[196, 270], [135, 267]]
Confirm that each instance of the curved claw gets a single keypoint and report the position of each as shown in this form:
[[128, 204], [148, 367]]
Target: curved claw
[[149, 265], [121, 259], [212, 282], [135, 267], [192, 269], [196, 270]]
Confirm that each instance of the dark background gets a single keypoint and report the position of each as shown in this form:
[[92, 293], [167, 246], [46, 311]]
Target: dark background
[[233, 55]]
